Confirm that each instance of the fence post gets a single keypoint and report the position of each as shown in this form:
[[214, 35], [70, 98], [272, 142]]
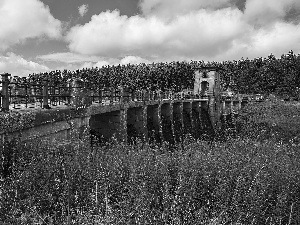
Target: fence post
[[45, 95], [146, 95], [240, 102], [121, 94], [158, 95], [111, 100], [133, 94], [5, 94], [126, 95], [100, 95]]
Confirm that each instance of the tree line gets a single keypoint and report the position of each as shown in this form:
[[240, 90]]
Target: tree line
[[270, 75]]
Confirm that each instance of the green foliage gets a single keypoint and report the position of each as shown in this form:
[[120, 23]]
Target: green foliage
[[259, 75], [276, 120], [265, 75], [16, 121]]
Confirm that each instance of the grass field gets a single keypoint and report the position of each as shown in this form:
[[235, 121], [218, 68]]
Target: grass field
[[252, 179]]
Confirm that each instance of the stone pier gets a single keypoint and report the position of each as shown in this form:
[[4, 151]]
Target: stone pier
[[196, 125], [153, 124], [187, 117], [135, 124], [178, 121], [167, 123]]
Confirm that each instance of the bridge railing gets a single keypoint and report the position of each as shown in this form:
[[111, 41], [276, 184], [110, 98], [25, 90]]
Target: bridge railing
[[17, 93]]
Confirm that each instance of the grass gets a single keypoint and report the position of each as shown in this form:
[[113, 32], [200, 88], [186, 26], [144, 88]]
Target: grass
[[252, 179]]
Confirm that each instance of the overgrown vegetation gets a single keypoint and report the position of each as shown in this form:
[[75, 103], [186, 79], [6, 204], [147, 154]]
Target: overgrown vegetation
[[252, 179]]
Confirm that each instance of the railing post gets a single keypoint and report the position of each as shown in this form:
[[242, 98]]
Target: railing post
[[45, 95], [5, 94], [146, 95], [140, 96], [158, 95], [100, 95], [126, 95], [152, 95], [240, 102], [121, 91], [133, 93], [111, 100]]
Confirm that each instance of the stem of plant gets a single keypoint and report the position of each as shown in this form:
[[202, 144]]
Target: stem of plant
[[290, 219], [96, 193]]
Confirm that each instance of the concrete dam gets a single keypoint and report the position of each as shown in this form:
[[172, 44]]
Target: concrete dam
[[120, 114]]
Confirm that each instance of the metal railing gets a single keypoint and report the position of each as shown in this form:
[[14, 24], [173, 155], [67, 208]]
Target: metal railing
[[17, 93]]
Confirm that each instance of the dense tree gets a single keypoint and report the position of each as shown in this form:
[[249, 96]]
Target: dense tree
[[260, 75]]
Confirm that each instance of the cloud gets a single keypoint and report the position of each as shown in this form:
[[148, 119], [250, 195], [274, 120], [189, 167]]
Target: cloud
[[83, 10], [280, 39], [18, 66], [75, 61], [20, 20], [191, 30], [124, 61], [171, 8], [98, 64], [109, 34], [133, 60], [83, 61], [267, 12], [69, 57]]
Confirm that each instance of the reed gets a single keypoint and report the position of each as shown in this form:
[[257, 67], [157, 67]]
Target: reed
[[246, 180]]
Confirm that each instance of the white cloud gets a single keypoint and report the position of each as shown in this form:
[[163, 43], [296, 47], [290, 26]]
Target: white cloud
[[133, 60], [76, 61], [191, 29], [21, 19], [18, 66], [69, 57], [280, 39], [83, 9], [124, 61], [98, 64], [112, 35]]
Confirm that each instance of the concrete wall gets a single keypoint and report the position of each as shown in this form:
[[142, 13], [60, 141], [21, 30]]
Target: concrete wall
[[135, 124], [206, 125], [106, 125], [50, 125], [153, 121], [187, 117], [178, 121], [153, 124], [196, 125], [166, 116]]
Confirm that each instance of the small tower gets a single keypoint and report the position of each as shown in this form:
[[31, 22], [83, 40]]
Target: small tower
[[207, 83]]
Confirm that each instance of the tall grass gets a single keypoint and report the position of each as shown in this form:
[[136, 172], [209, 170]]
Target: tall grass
[[246, 180]]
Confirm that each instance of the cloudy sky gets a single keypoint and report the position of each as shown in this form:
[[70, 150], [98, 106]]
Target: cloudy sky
[[44, 35]]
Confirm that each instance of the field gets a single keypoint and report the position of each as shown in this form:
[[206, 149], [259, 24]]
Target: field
[[253, 178]]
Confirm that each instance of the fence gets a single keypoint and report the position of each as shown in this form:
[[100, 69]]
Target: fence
[[17, 92]]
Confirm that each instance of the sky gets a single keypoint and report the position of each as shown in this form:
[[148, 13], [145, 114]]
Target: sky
[[44, 35]]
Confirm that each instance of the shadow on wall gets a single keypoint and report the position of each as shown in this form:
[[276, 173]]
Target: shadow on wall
[[173, 130]]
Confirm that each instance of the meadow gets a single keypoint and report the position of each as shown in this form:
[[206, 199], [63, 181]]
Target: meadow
[[250, 175]]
